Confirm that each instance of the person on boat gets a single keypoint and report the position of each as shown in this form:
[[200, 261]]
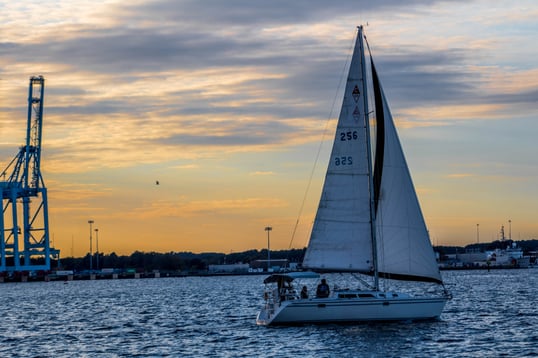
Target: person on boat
[[323, 289], [285, 289], [304, 292]]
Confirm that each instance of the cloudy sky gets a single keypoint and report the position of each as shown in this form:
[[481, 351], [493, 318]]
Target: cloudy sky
[[225, 103]]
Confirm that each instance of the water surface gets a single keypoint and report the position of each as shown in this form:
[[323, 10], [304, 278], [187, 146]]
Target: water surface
[[492, 314]]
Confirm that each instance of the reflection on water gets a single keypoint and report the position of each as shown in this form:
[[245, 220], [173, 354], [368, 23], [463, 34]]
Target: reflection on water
[[492, 313]]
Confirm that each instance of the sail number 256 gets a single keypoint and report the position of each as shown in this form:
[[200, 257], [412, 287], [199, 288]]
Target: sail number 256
[[349, 135]]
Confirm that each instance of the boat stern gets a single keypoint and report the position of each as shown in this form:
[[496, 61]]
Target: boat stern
[[263, 318]]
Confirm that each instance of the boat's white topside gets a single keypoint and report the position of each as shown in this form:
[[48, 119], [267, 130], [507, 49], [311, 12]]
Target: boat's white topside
[[350, 306]]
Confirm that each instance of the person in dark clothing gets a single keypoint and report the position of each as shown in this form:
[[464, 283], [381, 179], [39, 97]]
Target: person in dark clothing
[[304, 292], [323, 289]]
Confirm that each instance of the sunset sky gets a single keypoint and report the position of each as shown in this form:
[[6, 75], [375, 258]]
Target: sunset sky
[[225, 104]]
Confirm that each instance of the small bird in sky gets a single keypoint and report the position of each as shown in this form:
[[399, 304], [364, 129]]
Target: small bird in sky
[[156, 182]]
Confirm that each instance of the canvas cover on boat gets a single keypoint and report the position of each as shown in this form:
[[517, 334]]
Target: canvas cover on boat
[[290, 276]]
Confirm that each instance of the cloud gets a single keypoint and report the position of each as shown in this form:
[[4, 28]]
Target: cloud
[[262, 173], [183, 208], [183, 90], [215, 14], [460, 175], [186, 166]]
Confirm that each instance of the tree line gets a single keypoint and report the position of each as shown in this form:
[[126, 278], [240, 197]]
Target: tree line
[[173, 261], [196, 262]]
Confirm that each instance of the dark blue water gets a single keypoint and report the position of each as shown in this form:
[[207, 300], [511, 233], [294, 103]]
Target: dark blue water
[[492, 314]]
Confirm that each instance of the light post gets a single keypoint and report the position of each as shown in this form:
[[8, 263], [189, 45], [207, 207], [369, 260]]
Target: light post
[[268, 229], [477, 234], [91, 222], [97, 248]]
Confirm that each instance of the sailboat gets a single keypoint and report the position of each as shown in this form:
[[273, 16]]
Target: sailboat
[[368, 222]]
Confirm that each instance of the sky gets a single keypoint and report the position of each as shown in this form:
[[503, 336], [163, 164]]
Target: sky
[[227, 103]]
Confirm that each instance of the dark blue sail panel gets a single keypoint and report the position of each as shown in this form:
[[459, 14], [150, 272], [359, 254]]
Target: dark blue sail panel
[[380, 136]]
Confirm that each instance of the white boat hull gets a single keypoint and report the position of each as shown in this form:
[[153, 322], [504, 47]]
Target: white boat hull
[[347, 310]]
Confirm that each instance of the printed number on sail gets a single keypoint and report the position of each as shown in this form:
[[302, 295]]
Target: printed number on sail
[[348, 136], [343, 161]]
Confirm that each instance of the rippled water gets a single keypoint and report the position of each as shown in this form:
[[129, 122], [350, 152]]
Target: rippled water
[[492, 314]]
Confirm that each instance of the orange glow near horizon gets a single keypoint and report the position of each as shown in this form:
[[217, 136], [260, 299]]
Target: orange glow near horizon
[[229, 119]]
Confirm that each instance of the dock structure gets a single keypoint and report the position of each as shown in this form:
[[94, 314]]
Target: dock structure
[[24, 227]]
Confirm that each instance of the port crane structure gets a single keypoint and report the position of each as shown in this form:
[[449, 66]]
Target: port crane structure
[[24, 224]]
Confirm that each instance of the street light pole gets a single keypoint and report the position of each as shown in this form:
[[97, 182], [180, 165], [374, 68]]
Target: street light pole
[[97, 248], [268, 229], [91, 264]]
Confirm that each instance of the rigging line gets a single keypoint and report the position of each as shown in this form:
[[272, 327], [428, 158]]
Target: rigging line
[[363, 281], [342, 76], [371, 60], [379, 212], [371, 99]]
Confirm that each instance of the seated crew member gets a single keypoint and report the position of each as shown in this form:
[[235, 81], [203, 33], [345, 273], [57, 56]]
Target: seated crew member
[[323, 289]]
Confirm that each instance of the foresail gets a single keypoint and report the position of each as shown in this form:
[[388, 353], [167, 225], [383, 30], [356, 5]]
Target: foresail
[[403, 244], [342, 231]]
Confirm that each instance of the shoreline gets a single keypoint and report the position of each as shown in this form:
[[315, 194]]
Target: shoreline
[[85, 276]]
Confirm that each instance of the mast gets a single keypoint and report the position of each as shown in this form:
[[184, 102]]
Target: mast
[[370, 166]]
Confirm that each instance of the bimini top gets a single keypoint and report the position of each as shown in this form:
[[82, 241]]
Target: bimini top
[[290, 276]]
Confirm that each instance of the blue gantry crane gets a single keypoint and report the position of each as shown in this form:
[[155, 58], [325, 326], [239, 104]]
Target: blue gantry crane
[[24, 234]]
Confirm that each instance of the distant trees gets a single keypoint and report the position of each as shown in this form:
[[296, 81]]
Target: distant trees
[[191, 262], [174, 261]]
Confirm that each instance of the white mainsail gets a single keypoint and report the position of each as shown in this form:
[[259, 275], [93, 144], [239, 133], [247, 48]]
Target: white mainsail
[[342, 231]]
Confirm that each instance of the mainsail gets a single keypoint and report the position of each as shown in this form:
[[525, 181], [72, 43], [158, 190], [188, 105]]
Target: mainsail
[[357, 209], [342, 231]]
